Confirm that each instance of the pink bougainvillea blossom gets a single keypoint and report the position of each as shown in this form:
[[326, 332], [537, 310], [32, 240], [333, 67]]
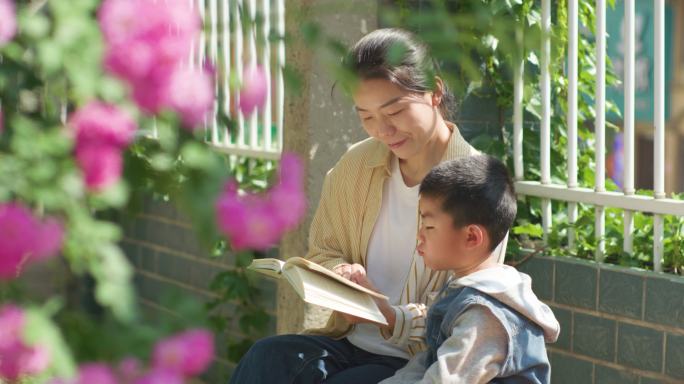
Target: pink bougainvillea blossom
[[8, 21], [191, 94], [96, 373], [98, 123], [17, 359], [101, 132], [254, 90], [188, 353], [25, 239], [146, 44], [253, 221]]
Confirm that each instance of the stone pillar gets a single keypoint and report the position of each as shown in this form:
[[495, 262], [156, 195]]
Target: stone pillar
[[320, 125]]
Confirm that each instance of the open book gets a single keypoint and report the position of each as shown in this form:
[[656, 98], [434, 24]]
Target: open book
[[320, 286]]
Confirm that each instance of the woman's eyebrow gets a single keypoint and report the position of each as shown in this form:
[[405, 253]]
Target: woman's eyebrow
[[389, 102]]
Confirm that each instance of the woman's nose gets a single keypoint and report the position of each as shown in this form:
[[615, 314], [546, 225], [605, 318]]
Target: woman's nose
[[386, 128]]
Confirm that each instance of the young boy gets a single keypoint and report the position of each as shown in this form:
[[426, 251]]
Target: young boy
[[486, 325]]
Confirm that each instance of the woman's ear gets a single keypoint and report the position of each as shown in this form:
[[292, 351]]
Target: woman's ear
[[438, 92]]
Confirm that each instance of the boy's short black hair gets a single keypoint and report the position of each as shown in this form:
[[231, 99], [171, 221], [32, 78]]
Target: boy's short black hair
[[475, 190]]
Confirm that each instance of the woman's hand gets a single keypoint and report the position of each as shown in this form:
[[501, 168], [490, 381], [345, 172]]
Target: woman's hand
[[354, 272], [357, 274]]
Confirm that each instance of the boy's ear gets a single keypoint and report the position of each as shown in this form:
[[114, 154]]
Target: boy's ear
[[475, 236]]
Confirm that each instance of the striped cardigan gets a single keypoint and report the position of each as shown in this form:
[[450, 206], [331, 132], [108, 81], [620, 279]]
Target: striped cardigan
[[342, 227]]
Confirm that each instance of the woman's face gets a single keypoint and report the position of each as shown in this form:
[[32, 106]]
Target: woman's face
[[404, 121]]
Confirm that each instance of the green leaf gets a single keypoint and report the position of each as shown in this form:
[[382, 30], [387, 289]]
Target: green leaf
[[41, 330], [529, 229]]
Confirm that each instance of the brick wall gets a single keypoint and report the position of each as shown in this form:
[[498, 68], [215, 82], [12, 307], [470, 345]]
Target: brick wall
[[618, 325], [162, 246]]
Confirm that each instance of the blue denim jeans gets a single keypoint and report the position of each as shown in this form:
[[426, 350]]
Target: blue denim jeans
[[311, 359]]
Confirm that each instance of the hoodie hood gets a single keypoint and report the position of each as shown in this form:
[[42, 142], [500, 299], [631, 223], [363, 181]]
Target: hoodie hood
[[514, 289]]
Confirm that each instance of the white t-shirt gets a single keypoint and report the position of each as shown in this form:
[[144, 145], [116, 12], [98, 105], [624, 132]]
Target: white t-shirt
[[390, 251]]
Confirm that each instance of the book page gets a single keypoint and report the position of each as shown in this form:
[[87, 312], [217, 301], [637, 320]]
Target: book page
[[317, 289], [270, 267], [301, 262]]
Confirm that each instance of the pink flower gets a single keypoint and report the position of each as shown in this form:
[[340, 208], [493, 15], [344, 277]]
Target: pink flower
[[102, 131], [146, 42], [160, 376], [101, 166], [11, 324], [188, 353], [98, 123], [250, 222], [8, 21], [16, 358], [96, 373], [129, 369], [191, 94], [24, 239], [259, 221], [254, 90]]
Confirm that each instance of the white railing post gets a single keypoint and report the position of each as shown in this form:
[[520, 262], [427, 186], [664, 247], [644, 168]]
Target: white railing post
[[628, 161], [518, 112], [545, 131], [573, 37], [659, 123], [213, 57], [280, 64], [600, 125], [239, 39], [251, 43], [225, 47], [266, 120]]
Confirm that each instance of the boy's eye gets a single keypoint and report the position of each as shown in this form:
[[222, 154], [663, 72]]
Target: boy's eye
[[366, 118], [429, 227], [395, 113]]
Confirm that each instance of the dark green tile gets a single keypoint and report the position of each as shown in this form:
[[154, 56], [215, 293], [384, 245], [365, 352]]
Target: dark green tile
[[607, 375], [575, 284], [640, 347], [620, 293], [674, 356], [148, 259], [664, 301], [570, 370], [564, 317], [648, 380], [541, 272], [594, 337]]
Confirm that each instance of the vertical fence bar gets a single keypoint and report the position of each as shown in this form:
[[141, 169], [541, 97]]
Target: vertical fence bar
[[600, 124], [193, 49], [252, 46], [659, 123], [267, 120], [518, 111], [238, 42], [280, 64], [628, 161], [202, 46], [545, 148], [213, 57], [573, 36], [225, 47]]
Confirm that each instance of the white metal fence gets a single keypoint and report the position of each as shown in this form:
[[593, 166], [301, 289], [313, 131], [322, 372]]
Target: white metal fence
[[228, 44], [571, 193]]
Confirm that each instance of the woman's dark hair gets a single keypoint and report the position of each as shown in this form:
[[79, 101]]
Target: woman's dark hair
[[398, 56]]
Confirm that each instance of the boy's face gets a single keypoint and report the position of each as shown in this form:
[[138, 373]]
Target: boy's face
[[442, 245]]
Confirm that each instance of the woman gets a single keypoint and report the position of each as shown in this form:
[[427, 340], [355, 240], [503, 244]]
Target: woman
[[366, 223]]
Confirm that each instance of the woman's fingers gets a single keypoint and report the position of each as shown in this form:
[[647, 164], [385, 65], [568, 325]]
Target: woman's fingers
[[353, 272]]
